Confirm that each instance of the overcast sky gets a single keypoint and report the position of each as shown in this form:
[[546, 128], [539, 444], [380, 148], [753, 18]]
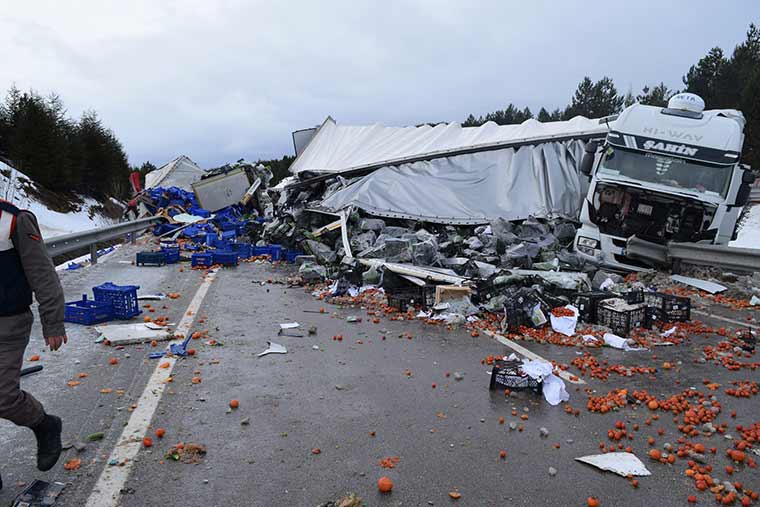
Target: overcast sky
[[219, 81]]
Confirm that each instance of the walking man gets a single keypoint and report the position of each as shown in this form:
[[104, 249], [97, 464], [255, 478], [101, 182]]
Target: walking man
[[26, 269]]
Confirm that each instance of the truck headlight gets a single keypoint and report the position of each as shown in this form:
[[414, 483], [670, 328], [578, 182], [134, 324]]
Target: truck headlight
[[588, 243]]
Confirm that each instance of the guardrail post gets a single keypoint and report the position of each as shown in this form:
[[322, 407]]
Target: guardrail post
[[133, 238], [93, 254]]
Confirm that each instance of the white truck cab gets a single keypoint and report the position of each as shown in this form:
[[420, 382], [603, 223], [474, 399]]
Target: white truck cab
[[663, 174]]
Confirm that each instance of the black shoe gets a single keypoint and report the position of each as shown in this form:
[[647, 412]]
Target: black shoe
[[48, 434]]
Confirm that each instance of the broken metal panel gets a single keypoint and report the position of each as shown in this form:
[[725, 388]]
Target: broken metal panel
[[222, 190]]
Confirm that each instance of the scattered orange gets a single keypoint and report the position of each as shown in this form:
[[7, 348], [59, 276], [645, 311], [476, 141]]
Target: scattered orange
[[384, 485]]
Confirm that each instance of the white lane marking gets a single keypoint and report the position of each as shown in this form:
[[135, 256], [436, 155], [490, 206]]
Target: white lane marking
[[532, 355], [724, 319], [106, 491]]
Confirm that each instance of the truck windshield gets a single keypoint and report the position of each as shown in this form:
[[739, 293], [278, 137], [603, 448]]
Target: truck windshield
[[664, 170]]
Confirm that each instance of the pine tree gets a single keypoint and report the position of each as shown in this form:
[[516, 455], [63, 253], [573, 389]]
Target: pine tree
[[594, 100], [657, 96], [704, 77]]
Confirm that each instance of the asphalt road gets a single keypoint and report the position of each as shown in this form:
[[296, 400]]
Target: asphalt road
[[334, 399]]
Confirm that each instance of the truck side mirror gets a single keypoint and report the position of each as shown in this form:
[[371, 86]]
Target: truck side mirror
[[742, 196], [587, 162]]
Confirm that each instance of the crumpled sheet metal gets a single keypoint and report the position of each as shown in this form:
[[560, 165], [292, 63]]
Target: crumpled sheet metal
[[477, 188]]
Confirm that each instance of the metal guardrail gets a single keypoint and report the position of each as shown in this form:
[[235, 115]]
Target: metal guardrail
[[725, 257], [67, 243], [719, 256]]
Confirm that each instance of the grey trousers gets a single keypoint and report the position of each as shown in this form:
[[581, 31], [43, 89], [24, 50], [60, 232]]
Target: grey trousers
[[16, 405]]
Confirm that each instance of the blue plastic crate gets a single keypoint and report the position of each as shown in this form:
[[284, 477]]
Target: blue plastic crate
[[202, 259], [200, 212], [290, 255], [244, 250], [225, 257], [229, 226], [276, 252], [260, 250], [211, 237], [151, 258], [87, 312], [172, 254], [229, 235], [123, 299], [242, 228]]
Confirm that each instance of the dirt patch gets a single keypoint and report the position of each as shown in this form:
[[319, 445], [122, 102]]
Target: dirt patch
[[62, 202]]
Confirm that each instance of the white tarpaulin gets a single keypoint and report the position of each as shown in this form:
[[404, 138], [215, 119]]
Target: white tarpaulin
[[509, 183], [336, 148], [180, 172]]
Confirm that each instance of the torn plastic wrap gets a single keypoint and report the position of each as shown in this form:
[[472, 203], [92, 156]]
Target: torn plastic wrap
[[475, 188]]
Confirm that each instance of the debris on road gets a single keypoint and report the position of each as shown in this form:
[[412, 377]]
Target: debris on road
[[130, 334], [624, 464], [188, 453], [39, 493], [273, 348]]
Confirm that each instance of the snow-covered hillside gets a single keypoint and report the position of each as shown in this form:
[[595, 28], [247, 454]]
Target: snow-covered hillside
[[86, 215], [749, 234]]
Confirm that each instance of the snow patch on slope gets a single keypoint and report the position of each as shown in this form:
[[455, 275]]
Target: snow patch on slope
[[749, 234], [52, 223]]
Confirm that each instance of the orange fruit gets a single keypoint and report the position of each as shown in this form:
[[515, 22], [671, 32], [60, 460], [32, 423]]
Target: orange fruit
[[234, 404], [384, 485], [147, 442], [160, 432]]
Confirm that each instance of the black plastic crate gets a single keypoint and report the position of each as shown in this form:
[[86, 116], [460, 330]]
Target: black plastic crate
[[674, 308], [665, 307], [513, 317], [403, 298], [151, 259], [508, 375], [588, 304], [622, 319]]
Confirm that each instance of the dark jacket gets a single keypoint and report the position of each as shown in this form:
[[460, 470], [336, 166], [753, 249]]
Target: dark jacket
[[26, 267]]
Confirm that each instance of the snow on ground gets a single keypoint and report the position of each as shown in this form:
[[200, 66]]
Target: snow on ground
[[749, 234], [52, 223]]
